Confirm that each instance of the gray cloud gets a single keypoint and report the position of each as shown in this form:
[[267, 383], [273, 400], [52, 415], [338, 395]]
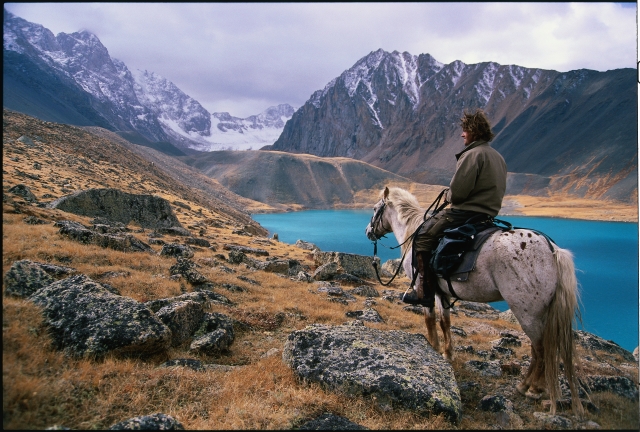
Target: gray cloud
[[245, 57]]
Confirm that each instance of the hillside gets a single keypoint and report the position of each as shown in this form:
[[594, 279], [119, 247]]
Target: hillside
[[247, 386], [295, 181]]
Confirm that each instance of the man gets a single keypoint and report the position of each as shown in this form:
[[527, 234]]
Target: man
[[476, 191]]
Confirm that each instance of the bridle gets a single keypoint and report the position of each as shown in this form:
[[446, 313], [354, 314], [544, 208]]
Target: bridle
[[377, 218]]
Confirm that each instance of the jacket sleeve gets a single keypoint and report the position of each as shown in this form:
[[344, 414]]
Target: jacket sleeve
[[464, 179]]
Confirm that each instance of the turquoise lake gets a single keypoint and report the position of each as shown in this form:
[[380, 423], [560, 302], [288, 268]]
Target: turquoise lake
[[605, 255]]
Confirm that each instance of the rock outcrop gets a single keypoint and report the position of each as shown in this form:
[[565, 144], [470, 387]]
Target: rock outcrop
[[353, 264], [86, 319], [395, 367], [149, 211]]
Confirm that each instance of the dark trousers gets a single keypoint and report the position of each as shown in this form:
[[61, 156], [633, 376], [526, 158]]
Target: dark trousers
[[427, 240]]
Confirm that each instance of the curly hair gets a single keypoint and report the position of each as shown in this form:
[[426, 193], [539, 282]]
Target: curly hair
[[477, 124]]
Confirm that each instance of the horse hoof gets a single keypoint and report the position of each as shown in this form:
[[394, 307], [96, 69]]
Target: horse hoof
[[522, 389], [533, 395]]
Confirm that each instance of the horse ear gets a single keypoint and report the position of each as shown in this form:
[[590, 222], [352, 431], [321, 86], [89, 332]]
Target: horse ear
[[386, 192]]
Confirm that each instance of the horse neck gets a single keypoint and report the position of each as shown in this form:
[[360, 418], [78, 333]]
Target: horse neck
[[406, 224], [400, 230]]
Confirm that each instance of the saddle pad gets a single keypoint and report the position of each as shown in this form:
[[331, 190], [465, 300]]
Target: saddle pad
[[468, 263]]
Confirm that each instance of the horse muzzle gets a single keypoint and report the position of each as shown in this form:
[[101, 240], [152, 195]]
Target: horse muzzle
[[370, 234]]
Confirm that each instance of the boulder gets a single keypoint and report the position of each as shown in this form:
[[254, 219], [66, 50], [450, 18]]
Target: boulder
[[395, 367], [176, 250], [204, 298], [147, 210], [214, 335], [86, 319], [24, 192], [124, 242], [25, 278], [356, 265], [156, 421], [326, 271], [182, 318], [619, 385], [246, 249], [365, 291], [593, 342], [368, 314], [306, 245], [187, 269], [390, 267], [485, 368]]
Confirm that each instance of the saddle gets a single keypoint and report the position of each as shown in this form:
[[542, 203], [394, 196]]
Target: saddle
[[459, 248], [458, 251]]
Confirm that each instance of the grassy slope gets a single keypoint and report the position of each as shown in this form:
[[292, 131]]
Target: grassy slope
[[42, 388]]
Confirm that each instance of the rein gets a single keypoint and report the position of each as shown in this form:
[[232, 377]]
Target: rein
[[378, 215]]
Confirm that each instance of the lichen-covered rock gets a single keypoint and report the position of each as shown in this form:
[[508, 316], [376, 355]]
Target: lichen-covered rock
[[328, 421], [397, 368], [120, 242], [593, 342], [211, 343], [326, 271], [86, 319], [356, 265], [369, 314], [24, 192], [619, 385], [306, 245], [187, 268], [183, 318], [486, 368], [25, 278], [246, 249], [390, 267], [548, 421], [147, 210], [156, 421], [365, 291], [204, 297], [176, 250]]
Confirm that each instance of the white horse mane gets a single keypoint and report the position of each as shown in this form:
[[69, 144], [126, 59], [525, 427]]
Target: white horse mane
[[409, 211]]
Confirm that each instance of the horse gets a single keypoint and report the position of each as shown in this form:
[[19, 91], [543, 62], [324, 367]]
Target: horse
[[533, 275]]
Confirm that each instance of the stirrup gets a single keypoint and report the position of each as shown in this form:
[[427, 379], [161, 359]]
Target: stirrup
[[410, 297]]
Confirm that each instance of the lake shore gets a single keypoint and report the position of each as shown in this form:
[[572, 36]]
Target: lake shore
[[558, 206]]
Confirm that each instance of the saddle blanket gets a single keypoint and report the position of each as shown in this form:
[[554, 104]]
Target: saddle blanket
[[468, 263]]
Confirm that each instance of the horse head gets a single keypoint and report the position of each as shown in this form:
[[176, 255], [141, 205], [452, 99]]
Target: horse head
[[376, 227]]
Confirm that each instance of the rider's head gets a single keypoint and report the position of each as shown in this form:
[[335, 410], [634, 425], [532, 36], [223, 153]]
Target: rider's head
[[477, 125]]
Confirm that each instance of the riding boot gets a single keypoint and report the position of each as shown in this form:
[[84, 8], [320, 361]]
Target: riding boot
[[428, 280]]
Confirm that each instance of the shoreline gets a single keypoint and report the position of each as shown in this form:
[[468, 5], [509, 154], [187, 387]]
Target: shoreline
[[561, 207]]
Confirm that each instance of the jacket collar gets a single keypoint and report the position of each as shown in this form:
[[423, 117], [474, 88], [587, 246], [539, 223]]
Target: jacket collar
[[473, 145]]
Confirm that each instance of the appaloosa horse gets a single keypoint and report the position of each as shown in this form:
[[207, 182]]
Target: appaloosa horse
[[534, 276]]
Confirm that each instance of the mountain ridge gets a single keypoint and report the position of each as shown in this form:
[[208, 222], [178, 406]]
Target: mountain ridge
[[401, 112], [82, 84]]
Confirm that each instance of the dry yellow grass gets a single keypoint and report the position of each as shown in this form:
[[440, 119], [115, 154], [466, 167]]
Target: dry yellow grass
[[42, 387]]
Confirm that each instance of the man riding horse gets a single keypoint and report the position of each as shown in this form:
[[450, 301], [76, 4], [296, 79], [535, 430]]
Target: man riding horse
[[475, 193]]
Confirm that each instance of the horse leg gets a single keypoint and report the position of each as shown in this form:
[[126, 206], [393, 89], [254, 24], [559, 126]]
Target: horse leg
[[445, 326], [430, 321], [537, 385]]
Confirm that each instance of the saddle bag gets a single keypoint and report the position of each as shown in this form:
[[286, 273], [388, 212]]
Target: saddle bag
[[448, 255]]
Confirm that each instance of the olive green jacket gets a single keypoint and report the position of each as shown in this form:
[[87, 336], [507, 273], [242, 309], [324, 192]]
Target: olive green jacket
[[480, 180]]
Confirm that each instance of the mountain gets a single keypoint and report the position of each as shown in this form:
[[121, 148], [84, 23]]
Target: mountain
[[573, 132], [71, 78]]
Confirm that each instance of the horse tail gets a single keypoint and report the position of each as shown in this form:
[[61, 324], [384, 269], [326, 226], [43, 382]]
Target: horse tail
[[557, 336]]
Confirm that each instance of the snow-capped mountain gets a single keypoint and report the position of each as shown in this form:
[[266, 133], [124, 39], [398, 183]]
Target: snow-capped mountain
[[79, 81], [401, 112]]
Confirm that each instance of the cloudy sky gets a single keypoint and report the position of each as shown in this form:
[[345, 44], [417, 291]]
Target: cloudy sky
[[244, 57]]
